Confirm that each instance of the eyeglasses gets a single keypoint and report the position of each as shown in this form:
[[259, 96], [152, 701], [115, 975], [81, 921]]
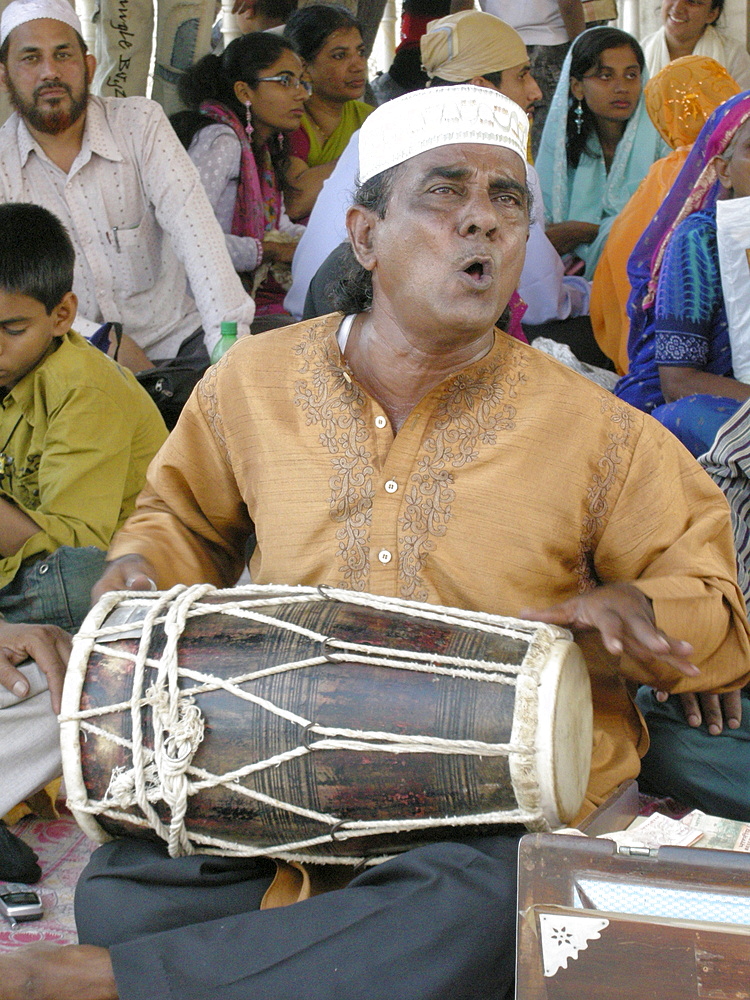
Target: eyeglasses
[[288, 80]]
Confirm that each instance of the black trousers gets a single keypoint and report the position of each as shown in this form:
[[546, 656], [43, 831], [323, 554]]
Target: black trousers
[[435, 923]]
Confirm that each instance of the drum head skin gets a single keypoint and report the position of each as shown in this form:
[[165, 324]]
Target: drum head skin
[[565, 732]]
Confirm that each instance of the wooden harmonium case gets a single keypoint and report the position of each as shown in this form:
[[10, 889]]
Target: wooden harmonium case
[[615, 923]]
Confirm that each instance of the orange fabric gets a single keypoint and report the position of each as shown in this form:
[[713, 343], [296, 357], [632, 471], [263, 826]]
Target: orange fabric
[[679, 100], [42, 803], [294, 882], [611, 288], [681, 96]]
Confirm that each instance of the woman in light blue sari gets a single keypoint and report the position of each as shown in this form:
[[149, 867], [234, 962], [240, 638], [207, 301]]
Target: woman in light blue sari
[[598, 143]]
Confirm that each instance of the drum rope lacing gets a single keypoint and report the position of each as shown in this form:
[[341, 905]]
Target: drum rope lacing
[[167, 772]]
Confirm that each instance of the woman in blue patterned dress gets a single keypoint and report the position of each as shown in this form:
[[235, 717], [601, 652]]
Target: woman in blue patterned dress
[[680, 357]]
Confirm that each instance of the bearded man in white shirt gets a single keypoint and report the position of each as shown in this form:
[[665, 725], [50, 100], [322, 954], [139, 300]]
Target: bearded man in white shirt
[[149, 252]]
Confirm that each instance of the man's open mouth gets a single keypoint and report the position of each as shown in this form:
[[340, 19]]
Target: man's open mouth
[[479, 270]]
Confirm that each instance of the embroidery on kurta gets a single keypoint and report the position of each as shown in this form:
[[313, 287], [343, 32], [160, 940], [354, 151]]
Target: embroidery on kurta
[[598, 493], [337, 405], [473, 408], [207, 394]]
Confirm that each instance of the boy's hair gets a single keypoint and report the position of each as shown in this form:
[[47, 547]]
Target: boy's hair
[[36, 254]]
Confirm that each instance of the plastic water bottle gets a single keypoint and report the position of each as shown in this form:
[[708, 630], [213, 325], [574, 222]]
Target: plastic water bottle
[[225, 341]]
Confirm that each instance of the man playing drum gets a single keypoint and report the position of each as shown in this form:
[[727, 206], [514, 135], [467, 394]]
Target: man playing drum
[[409, 449]]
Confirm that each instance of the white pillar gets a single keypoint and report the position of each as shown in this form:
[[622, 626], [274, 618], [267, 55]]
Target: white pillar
[[229, 28], [387, 38]]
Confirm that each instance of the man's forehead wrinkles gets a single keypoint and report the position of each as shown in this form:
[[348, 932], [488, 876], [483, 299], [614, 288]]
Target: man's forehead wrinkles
[[467, 158]]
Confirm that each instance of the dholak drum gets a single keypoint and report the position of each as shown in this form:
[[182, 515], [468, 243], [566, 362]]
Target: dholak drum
[[317, 724]]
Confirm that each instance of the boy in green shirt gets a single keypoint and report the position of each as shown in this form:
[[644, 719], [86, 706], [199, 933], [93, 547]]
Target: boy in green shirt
[[76, 431], [76, 435]]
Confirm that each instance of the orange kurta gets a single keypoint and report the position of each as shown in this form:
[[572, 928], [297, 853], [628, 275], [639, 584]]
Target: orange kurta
[[513, 483]]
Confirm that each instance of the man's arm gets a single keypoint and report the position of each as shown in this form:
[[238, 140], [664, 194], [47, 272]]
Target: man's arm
[[678, 381], [624, 618], [573, 17], [16, 528], [566, 236], [666, 535], [305, 184], [75, 972], [190, 524], [173, 186], [131, 572], [48, 645], [84, 470]]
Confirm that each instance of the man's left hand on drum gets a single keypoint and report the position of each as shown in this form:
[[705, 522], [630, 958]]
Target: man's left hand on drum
[[624, 618], [131, 572], [48, 645]]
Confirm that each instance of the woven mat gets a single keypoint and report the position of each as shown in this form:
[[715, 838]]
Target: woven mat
[[63, 852]]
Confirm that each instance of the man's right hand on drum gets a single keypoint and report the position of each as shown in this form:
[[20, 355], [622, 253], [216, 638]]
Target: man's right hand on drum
[[624, 618], [131, 572]]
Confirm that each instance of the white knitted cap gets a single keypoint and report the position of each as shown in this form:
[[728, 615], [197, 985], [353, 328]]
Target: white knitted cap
[[21, 11], [439, 116]]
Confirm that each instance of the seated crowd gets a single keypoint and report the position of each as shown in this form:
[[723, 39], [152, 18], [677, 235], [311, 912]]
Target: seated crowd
[[376, 251]]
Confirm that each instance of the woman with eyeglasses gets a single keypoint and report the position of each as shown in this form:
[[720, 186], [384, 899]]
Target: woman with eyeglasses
[[329, 41], [244, 104]]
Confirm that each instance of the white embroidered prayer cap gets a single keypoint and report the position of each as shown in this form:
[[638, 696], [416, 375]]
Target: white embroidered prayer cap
[[440, 116], [21, 11]]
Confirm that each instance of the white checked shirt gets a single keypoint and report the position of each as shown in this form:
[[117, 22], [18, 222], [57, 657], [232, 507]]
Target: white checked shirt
[[149, 251]]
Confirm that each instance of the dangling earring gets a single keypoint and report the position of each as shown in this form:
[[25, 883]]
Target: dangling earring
[[249, 125], [578, 116]]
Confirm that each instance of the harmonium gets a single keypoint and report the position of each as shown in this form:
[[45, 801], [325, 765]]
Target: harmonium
[[600, 919]]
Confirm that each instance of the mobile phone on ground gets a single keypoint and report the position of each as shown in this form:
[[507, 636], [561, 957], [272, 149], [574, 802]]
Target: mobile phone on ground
[[18, 903]]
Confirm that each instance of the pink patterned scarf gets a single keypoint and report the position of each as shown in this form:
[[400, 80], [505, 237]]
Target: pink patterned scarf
[[257, 207]]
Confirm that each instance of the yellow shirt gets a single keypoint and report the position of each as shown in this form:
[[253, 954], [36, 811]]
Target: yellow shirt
[[76, 436], [513, 483]]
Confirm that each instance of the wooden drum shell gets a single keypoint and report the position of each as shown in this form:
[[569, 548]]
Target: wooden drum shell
[[366, 801]]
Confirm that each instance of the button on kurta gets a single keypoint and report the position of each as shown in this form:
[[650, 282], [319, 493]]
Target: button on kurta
[[384, 556], [391, 486], [380, 421]]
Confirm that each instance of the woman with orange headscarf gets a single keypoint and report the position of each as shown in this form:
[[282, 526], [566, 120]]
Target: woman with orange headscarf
[[678, 99]]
